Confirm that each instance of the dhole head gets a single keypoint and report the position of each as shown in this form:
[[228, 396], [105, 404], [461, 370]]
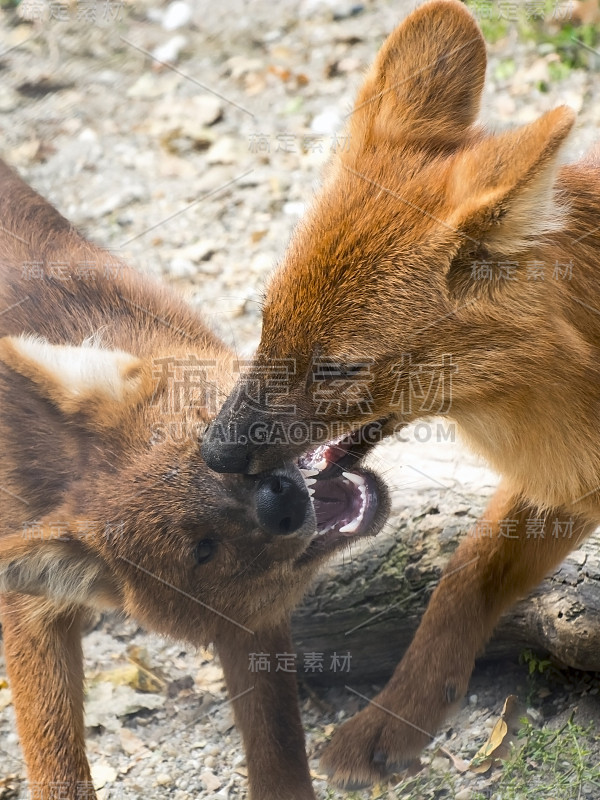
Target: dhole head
[[108, 502], [377, 286]]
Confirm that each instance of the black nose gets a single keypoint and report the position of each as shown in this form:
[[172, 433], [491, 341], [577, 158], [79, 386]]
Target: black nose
[[225, 458], [223, 455], [281, 503]]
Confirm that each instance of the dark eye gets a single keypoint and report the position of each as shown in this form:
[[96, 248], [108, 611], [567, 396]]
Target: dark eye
[[327, 371], [204, 551]]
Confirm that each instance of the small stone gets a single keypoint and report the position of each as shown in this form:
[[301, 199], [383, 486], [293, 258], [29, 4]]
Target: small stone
[[327, 122], [169, 51], [130, 743], [103, 774], [294, 209], [176, 16], [210, 781], [5, 698], [162, 779], [181, 268], [210, 761], [440, 764], [147, 86], [225, 150], [473, 699], [9, 99], [463, 794]]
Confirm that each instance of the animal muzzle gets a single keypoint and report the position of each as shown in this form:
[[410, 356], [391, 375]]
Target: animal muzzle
[[283, 503]]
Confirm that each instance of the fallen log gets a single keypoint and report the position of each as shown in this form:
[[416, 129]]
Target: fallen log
[[368, 603]]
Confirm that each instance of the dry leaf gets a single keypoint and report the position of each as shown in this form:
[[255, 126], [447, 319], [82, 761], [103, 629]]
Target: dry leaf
[[3, 683], [256, 236], [459, 764], [9, 787], [130, 743], [206, 654], [497, 746], [148, 679], [210, 677], [138, 675], [132, 675], [281, 72], [105, 703]]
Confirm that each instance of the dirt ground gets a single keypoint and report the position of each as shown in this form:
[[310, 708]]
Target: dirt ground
[[198, 172]]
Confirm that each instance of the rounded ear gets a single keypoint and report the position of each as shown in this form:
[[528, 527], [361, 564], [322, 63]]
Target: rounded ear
[[501, 190], [425, 84], [37, 561], [93, 382]]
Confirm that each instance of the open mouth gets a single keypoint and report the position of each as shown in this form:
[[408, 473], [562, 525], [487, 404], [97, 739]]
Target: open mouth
[[349, 501]]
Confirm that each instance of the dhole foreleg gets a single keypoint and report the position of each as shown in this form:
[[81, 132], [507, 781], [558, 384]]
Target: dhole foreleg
[[265, 706], [44, 661], [509, 551]]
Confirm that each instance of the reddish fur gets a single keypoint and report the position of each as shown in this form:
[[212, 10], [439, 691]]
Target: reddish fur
[[381, 267], [71, 457]]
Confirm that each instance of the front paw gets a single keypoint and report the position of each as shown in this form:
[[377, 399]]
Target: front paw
[[370, 747]]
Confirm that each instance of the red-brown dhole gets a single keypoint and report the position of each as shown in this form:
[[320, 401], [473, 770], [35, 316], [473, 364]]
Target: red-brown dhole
[[382, 281], [107, 503]]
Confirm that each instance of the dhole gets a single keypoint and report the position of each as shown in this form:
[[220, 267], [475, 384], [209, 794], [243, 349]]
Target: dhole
[[107, 503], [382, 280]]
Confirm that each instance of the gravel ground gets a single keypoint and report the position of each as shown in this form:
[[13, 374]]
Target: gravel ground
[[198, 174]]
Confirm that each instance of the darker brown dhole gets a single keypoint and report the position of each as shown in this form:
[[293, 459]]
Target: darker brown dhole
[[384, 271], [107, 502]]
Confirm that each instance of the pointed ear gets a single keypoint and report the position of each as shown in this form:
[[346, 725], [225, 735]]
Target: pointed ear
[[425, 85], [63, 570], [501, 190], [95, 383]]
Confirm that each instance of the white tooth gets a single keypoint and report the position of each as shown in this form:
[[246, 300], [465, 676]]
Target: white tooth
[[356, 479], [311, 492], [351, 527], [309, 473], [310, 481], [320, 465]]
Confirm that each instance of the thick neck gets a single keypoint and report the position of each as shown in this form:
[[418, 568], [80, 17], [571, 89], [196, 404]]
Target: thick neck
[[527, 390]]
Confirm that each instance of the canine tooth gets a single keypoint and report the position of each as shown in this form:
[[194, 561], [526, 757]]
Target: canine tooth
[[320, 465], [351, 527], [311, 491], [310, 481], [357, 480]]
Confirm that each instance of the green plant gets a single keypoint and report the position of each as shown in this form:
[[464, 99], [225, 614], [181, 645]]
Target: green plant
[[575, 45], [557, 764]]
